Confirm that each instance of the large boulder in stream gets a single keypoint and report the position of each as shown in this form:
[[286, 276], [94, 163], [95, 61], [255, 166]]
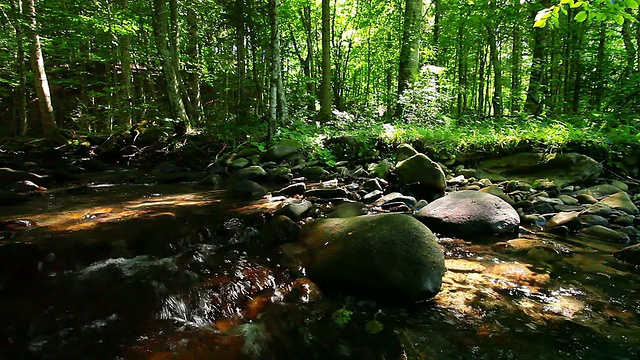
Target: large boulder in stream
[[562, 169], [282, 150], [392, 257], [469, 213]]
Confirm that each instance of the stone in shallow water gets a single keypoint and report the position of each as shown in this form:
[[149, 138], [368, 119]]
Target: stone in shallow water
[[601, 232], [469, 213], [387, 256], [621, 201], [629, 254]]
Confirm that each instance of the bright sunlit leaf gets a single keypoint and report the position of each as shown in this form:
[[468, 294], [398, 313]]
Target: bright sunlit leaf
[[581, 16]]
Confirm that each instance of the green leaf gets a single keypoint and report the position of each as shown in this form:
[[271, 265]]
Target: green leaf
[[632, 4], [341, 316], [619, 19], [577, 4], [373, 327], [540, 23], [581, 16]]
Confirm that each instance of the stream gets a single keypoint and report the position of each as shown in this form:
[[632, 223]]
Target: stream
[[110, 271]]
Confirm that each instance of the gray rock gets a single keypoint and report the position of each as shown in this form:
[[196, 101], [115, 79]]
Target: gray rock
[[327, 193], [419, 168], [249, 173], [497, 191], [280, 174], [632, 232], [630, 254], [405, 151], [620, 185], [215, 181], [625, 220], [348, 210], [567, 207], [247, 189], [600, 191], [604, 233], [562, 218], [372, 184], [395, 197], [282, 150], [387, 256], [280, 230], [239, 163], [534, 219], [420, 204], [295, 211], [601, 209], [293, 189], [591, 220], [372, 196], [586, 199], [315, 173], [469, 213], [562, 169], [621, 201], [568, 200]]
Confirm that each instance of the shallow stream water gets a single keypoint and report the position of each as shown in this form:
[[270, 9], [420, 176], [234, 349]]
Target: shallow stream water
[[177, 272]]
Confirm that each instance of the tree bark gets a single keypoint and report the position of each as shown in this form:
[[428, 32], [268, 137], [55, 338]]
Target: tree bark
[[600, 58], [516, 64], [125, 62], [535, 99], [194, 65], [629, 48], [50, 129], [325, 88], [496, 100], [20, 94], [409, 62], [160, 24], [241, 108]]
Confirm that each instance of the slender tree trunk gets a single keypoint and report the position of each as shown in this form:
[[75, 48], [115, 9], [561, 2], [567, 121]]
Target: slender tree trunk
[[629, 48], [275, 70], [311, 89], [516, 64], [325, 89], [409, 62], [125, 62], [600, 58], [437, 14], [535, 100], [481, 72], [20, 95], [241, 103], [49, 127], [160, 22], [459, 60], [576, 69], [496, 100], [194, 65]]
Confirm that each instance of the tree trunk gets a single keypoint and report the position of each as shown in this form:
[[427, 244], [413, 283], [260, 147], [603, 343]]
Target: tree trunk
[[600, 59], [437, 14], [481, 71], [325, 88], [49, 127], [516, 64], [241, 102], [629, 48], [535, 100], [194, 65], [275, 69], [160, 24], [576, 69], [496, 100], [126, 117], [20, 95], [409, 62]]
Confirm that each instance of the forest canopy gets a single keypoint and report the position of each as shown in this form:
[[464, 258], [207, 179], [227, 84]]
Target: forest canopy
[[266, 68]]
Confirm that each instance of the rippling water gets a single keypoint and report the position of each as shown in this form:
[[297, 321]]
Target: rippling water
[[177, 273]]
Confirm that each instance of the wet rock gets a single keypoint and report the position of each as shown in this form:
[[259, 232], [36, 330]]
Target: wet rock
[[295, 211], [303, 291], [630, 254], [371, 185], [497, 191], [327, 193], [469, 213], [247, 189], [568, 200], [249, 173], [543, 208], [215, 181], [562, 218], [405, 151], [456, 181], [533, 219], [601, 232], [567, 207], [282, 150], [625, 220], [586, 199], [239, 163], [387, 256], [372, 196], [632, 232], [591, 220], [280, 174], [280, 230], [561, 230], [599, 191], [315, 173], [601, 209], [293, 189], [410, 201], [419, 168], [347, 210], [467, 173], [382, 169], [25, 187], [621, 201], [420, 204], [620, 185]]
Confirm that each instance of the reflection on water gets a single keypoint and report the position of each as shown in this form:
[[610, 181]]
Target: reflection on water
[[179, 273]]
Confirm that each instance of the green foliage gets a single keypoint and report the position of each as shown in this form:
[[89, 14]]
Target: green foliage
[[593, 10], [373, 327], [341, 316]]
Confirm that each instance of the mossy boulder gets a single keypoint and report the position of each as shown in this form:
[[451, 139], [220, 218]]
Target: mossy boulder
[[387, 256], [419, 168], [282, 150]]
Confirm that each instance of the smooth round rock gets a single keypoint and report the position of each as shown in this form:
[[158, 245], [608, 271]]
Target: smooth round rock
[[469, 213]]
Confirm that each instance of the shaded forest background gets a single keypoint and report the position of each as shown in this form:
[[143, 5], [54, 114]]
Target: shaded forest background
[[250, 67]]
